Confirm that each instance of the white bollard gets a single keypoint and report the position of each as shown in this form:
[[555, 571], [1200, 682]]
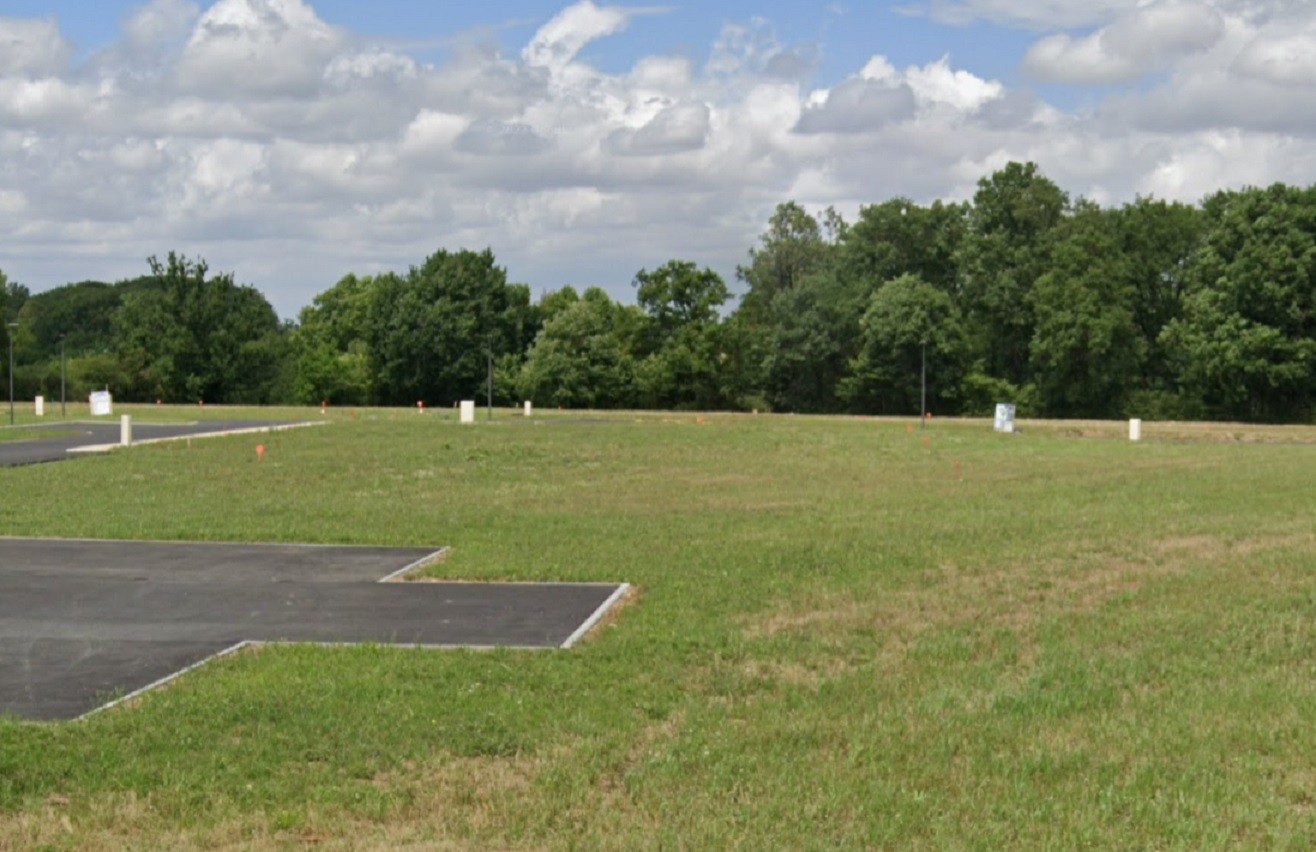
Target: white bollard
[[468, 411], [528, 408], [41, 406], [126, 430], [1135, 430]]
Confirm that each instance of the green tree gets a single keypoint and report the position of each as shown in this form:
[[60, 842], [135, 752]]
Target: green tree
[[12, 298], [331, 345], [813, 333], [585, 355], [899, 237], [197, 337], [908, 322], [794, 247], [686, 362], [432, 330], [1158, 241], [81, 315], [678, 294], [556, 301], [1086, 348], [1244, 345], [1004, 252]]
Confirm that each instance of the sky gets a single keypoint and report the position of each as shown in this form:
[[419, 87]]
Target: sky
[[291, 142]]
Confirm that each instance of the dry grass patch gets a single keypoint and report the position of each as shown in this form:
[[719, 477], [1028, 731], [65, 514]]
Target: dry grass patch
[[1017, 601], [1213, 548], [1016, 598], [809, 675], [445, 803], [954, 596]]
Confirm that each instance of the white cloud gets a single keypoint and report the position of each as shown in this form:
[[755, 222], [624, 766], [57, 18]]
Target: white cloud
[[938, 83], [1210, 160], [501, 139], [879, 70], [433, 131], [677, 128], [376, 64], [1281, 56], [32, 47], [1144, 39], [879, 96], [261, 47], [1253, 77], [44, 100], [12, 202], [858, 105], [227, 168], [160, 21], [665, 75], [754, 49], [557, 42]]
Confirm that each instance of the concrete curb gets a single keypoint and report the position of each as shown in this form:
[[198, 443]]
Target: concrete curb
[[597, 616], [283, 427]]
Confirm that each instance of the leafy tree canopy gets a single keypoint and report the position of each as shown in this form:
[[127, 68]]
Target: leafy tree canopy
[[197, 337]]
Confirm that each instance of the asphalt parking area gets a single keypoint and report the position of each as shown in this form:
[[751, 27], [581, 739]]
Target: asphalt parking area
[[83, 623], [78, 436]]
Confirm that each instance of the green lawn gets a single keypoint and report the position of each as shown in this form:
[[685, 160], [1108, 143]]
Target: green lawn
[[846, 634]]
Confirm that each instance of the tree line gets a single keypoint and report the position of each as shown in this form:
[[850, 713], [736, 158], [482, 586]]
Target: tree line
[[1068, 309]]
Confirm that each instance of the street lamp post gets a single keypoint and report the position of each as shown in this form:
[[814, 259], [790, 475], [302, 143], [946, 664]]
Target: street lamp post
[[488, 356], [63, 415], [923, 390], [13, 326]]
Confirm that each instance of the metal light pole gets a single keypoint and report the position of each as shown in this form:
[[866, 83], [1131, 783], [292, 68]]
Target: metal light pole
[[923, 390], [63, 415], [12, 327], [488, 354]]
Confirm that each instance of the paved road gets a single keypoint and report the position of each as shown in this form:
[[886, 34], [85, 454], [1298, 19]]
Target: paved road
[[87, 434], [81, 621]]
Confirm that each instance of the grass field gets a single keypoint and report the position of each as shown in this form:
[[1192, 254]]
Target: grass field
[[846, 634]]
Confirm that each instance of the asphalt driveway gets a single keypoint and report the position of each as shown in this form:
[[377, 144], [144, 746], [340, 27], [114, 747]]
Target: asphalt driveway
[[75, 435], [82, 622]]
